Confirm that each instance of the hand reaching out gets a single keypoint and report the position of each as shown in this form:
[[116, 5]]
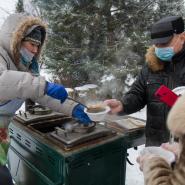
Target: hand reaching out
[[115, 105], [174, 147]]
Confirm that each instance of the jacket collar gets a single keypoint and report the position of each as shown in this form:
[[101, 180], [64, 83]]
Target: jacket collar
[[156, 64], [179, 56], [153, 62]]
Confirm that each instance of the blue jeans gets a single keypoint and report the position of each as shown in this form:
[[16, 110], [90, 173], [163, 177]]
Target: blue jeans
[[5, 177]]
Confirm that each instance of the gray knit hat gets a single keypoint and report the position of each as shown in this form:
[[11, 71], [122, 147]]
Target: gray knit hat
[[34, 35]]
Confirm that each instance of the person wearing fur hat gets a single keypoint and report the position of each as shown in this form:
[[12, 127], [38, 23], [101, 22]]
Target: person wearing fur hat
[[156, 170], [21, 41], [165, 65]]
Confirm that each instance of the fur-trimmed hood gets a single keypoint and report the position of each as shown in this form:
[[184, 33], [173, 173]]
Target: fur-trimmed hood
[[153, 62], [14, 30]]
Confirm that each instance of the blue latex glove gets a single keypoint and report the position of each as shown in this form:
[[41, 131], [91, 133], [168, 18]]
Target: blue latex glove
[[56, 91], [80, 115]]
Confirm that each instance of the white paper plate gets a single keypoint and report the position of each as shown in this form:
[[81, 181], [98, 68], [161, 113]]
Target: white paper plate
[[179, 90], [158, 151]]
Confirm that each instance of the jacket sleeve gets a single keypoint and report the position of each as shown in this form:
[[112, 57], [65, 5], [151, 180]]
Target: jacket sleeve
[[135, 98], [158, 172], [16, 84], [66, 107]]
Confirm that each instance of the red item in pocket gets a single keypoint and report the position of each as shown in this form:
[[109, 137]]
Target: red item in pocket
[[166, 95]]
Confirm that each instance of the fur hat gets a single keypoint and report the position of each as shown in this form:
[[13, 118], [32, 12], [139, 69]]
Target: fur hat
[[176, 117]]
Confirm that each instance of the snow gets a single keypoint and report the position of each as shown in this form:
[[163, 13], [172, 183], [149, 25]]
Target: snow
[[44, 72], [6, 7], [106, 78], [133, 174]]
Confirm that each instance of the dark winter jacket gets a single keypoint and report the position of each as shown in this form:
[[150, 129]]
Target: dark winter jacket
[[154, 74]]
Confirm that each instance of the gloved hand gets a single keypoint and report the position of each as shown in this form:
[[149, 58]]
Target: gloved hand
[[56, 91], [79, 114]]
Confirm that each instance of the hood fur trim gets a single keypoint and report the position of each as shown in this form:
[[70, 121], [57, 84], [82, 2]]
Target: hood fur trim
[[19, 34], [176, 117], [153, 62]]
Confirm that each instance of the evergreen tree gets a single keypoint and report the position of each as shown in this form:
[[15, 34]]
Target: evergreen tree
[[20, 6], [91, 38]]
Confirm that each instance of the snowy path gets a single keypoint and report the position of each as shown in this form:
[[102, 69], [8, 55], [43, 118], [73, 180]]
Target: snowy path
[[133, 175]]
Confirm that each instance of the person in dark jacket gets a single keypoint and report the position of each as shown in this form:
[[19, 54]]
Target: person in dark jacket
[[165, 65]]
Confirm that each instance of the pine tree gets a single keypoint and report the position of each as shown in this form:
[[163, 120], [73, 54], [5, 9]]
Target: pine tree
[[20, 6], [91, 38]]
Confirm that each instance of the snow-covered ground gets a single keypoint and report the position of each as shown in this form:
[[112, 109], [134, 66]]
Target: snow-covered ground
[[133, 174]]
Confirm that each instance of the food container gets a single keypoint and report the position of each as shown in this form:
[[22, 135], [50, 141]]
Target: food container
[[179, 90], [81, 94], [97, 115], [158, 151], [92, 91]]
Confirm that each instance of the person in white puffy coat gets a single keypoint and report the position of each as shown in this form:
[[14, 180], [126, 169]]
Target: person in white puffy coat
[[21, 41]]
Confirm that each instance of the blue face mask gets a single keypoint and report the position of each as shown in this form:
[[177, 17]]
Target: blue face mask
[[165, 54], [27, 55], [28, 59]]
